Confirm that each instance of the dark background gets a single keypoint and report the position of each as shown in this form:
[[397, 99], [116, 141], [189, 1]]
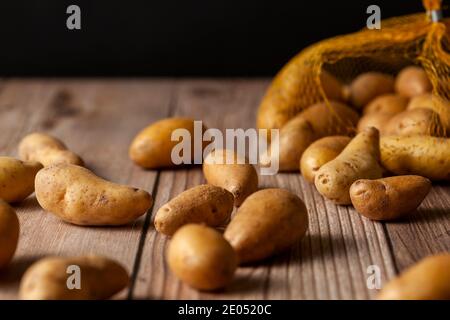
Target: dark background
[[172, 37]]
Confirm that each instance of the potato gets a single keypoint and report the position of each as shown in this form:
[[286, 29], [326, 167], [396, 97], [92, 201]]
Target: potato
[[319, 153], [47, 150], [17, 178], [358, 160], [201, 257], [425, 156], [376, 120], [240, 179], [419, 121], [268, 222], [429, 279], [369, 85], [206, 204], [317, 121], [152, 147], [412, 81], [389, 198], [387, 103], [78, 196], [50, 279], [438, 105], [9, 233]]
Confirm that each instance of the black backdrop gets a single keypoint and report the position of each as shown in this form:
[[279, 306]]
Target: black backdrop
[[172, 37]]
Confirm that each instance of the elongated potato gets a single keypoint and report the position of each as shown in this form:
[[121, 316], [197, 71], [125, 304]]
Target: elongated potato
[[320, 152], [376, 120], [367, 86], [412, 81], [429, 279], [425, 156], [359, 160], [47, 150], [78, 196], [387, 103], [17, 178], [389, 198], [9, 233], [268, 222], [419, 121], [206, 204], [237, 176], [152, 147], [201, 257], [50, 279]]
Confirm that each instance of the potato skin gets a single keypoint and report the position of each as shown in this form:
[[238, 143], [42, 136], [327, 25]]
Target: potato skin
[[387, 103], [239, 179], [376, 120], [47, 150], [206, 204], [369, 85], [418, 121], [17, 178], [152, 147], [440, 106], [201, 257], [412, 81], [429, 279], [389, 198], [268, 222], [101, 278], [425, 156], [9, 233], [78, 196], [319, 153], [358, 160]]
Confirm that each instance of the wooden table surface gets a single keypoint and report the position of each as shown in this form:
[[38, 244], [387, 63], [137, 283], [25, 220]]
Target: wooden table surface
[[98, 118]]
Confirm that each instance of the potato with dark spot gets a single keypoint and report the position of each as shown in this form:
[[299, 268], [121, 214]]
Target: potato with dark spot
[[9, 233], [78, 196], [206, 204], [429, 279], [412, 81], [201, 257], [367, 86], [47, 150], [432, 102], [359, 160], [48, 279], [389, 198], [267, 223], [419, 121], [17, 178]]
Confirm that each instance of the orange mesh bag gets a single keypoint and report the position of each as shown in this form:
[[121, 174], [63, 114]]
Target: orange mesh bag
[[321, 72]]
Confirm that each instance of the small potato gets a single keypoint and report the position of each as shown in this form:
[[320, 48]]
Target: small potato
[[78, 196], [367, 86], [152, 147], [48, 279], [389, 198], [9, 233], [17, 178], [320, 152], [235, 174], [412, 81], [201, 257], [387, 103], [429, 279], [425, 156], [268, 222], [47, 150], [419, 121], [202, 204], [376, 120], [440, 106], [358, 160]]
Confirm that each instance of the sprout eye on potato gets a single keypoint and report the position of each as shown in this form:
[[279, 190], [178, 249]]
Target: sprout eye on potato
[[202, 204], [47, 279], [9, 233], [17, 178], [389, 198], [47, 150], [412, 81], [78, 196], [358, 160], [429, 279], [268, 222], [367, 86], [201, 257]]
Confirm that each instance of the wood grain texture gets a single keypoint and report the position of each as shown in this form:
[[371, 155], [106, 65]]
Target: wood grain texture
[[99, 118]]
